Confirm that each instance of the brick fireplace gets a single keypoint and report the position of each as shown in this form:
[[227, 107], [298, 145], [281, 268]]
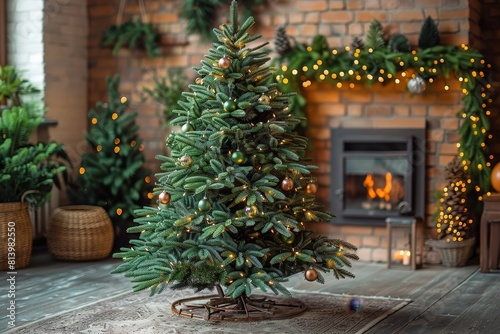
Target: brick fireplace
[[429, 119]]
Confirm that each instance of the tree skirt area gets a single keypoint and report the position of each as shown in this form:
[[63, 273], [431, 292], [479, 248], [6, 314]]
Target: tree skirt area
[[139, 313]]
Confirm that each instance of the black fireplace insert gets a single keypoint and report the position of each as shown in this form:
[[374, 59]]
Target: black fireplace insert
[[377, 173]]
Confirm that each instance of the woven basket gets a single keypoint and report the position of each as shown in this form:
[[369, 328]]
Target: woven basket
[[80, 233], [16, 230], [454, 254]]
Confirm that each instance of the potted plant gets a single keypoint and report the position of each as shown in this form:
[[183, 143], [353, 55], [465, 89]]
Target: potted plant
[[27, 174], [454, 218]]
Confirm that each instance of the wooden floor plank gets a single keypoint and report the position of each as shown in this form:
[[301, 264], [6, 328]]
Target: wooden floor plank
[[444, 300]]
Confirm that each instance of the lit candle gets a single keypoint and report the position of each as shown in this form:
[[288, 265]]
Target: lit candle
[[406, 258]]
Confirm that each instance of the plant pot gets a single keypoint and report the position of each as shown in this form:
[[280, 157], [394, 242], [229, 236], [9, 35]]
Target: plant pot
[[453, 254], [16, 236], [80, 233]]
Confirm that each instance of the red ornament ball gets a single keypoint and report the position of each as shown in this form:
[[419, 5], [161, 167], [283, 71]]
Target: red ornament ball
[[311, 275], [164, 197], [312, 188], [224, 63], [287, 184]]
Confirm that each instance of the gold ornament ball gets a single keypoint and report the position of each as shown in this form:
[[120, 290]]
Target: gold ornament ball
[[224, 63], [251, 211], [185, 161], [311, 275], [287, 184], [164, 197], [495, 177], [311, 188], [264, 99]]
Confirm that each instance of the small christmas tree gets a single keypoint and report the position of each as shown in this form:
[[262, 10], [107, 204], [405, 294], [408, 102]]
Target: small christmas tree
[[111, 173], [454, 218], [237, 190]]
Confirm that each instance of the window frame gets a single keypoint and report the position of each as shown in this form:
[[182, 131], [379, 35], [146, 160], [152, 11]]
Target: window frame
[[3, 33]]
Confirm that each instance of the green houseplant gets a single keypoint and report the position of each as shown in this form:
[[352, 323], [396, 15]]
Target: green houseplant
[[28, 172]]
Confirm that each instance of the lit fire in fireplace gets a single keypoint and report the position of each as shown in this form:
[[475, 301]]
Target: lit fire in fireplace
[[384, 192]]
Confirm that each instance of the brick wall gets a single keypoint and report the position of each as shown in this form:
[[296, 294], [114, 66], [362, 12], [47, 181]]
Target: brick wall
[[340, 21], [65, 64]]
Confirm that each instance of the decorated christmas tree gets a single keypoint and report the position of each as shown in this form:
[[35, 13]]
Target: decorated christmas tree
[[237, 191], [111, 174]]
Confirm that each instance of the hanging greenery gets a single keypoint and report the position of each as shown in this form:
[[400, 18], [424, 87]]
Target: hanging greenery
[[302, 65], [132, 34], [201, 14]]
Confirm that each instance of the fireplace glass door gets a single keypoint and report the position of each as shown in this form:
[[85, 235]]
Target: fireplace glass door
[[375, 185]]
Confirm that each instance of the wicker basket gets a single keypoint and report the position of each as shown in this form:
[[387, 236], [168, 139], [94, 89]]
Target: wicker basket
[[16, 230], [80, 233], [454, 254]]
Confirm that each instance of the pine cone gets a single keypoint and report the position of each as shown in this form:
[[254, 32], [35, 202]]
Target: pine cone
[[281, 43], [454, 171], [357, 43]]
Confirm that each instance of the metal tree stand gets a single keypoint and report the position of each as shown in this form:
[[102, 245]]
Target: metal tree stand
[[244, 308]]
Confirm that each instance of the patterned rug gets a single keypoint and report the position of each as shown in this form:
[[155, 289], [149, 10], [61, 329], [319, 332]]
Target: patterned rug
[[139, 313]]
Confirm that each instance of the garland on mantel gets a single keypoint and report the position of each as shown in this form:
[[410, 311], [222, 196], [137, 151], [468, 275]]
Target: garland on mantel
[[367, 65]]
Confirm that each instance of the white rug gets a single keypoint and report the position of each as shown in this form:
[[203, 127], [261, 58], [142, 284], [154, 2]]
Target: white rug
[[139, 313]]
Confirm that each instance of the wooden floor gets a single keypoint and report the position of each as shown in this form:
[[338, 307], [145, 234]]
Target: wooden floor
[[444, 300]]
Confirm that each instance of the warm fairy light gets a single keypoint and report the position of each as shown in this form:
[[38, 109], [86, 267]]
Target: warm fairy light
[[94, 121], [133, 143], [334, 51], [117, 141], [98, 148], [123, 99], [116, 149], [150, 196], [147, 179], [309, 49], [114, 116], [81, 170], [119, 211], [305, 68], [284, 68]]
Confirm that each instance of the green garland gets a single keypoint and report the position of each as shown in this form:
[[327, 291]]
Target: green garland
[[302, 65]]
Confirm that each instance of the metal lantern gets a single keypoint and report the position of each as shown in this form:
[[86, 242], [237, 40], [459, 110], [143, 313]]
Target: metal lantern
[[405, 248]]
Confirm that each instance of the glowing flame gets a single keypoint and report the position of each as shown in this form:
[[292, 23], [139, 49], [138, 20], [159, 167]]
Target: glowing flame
[[373, 192]]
